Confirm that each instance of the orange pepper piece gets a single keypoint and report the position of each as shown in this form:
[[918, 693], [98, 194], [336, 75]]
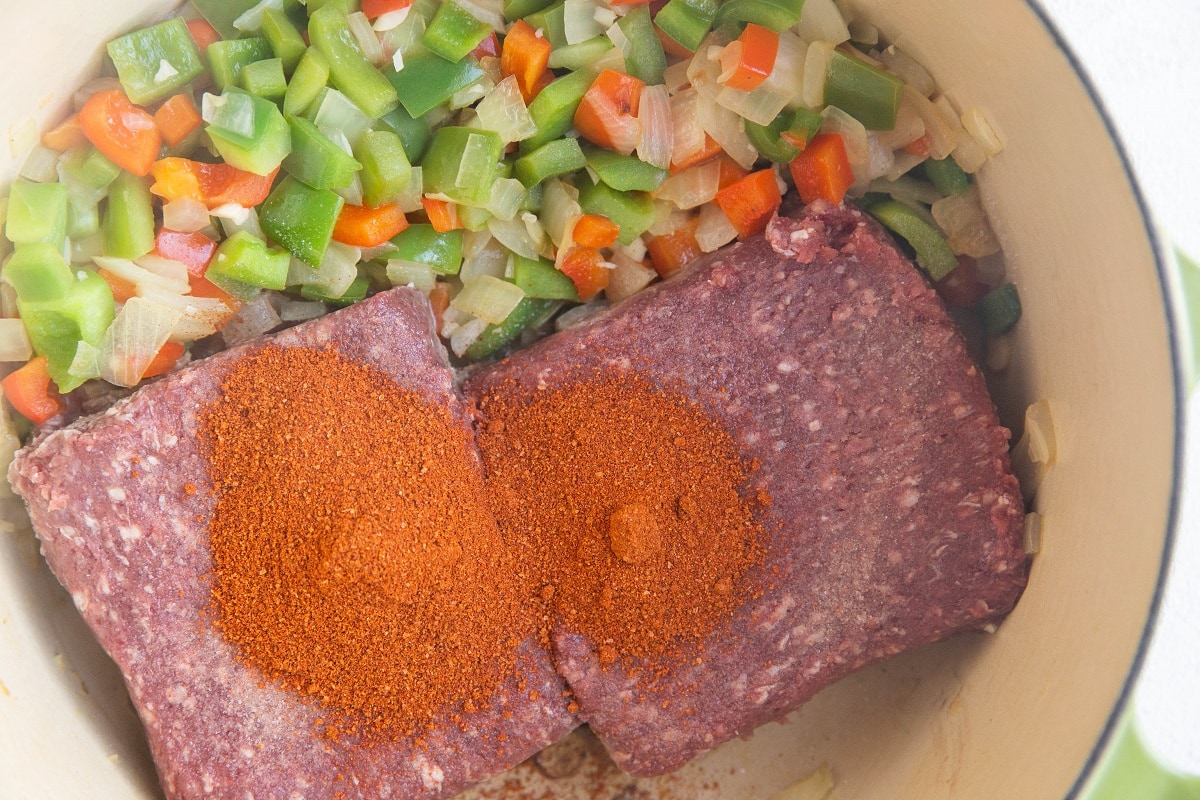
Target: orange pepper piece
[[121, 131]]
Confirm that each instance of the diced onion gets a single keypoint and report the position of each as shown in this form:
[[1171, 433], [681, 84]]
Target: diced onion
[[411, 273], [198, 316], [141, 277], [185, 215], [94, 86], [820, 20], [854, 136], [880, 159], [515, 236], [236, 218], [14, 341], [165, 267], [1039, 426], [292, 310], [136, 335], [658, 128], [579, 21], [715, 230], [489, 12], [999, 353], [409, 199], [1033, 533], [468, 96], [252, 320], [727, 129], [667, 218], [86, 363], [560, 209], [942, 140], [391, 19], [962, 218], [338, 113], [908, 128], [504, 112], [628, 277], [86, 248], [688, 136], [605, 16], [506, 198], [761, 105], [491, 259], [488, 298], [975, 121], [367, 38], [41, 165], [251, 20], [966, 153], [816, 65], [338, 269], [908, 69], [353, 192], [465, 334], [693, 187], [8, 301], [675, 77]]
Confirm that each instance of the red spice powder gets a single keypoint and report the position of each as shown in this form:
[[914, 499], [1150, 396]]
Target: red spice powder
[[355, 560]]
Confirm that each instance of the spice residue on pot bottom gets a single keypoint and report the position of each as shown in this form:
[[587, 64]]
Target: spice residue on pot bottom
[[625, 505]]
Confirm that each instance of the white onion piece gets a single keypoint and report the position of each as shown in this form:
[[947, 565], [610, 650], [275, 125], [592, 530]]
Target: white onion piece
[[704, 70], [476, 91], [139, 277], [504, 112], [515, 236], [14, 341], [86, 363], [715, 230], [605, 16], [301, 274], [452, 318], [338, 268], [787, 76], [489, 260], [688, 137], [185, 215], [628, 277], [816, 64], [506, 198], [579, 21], [560, 209], [409, 199], [411, 273], [612, 59], [251, 321], [667, 218], [353, 193], [136, 335], [489, 12], [367, 38], [693, 187], [465, 334], [488, 298], [908, 128], [962, 218], [391, 19], [658, 128], [199, 316], [726, 128], [635, 249], [908, 69], [292, 310], [675, 77], [474, 241], [853, 134], [942, 139], [8, 301], [880, 159], [966, 153], [165, 267], [339, 113], [977, 123], [234, 218], [761, 105], [251, 20], [86, 249], [94, 86], [902, 163], [41, 165], [820, 20], [624, 129]]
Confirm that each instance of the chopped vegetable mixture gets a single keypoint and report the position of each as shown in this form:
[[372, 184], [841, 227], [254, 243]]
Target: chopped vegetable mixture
[[251, 164]]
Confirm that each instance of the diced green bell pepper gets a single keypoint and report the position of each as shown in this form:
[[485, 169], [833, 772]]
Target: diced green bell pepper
[[454, 32], [414, 133], [227, 57], [421, 243], [356, 291], [155, 62], [516, 9], [474, 218], [542, 279], [687, 21], [89, 167], [386, 170], [37, 212], [460, 163], [624, 173], [528, 313], [83, 215], [778, 15], [316, 160], [286, 42], [222, 13], [553, 158], [645, 59], [246, 260], [128, 218], [946, 176], [261, 143], [59, 307], [933, 253], [349, 70], [550, 21], [309, 78], [802, 123], [1000, 309], [553, 110], [264, 79], [428, 80], [632, 211], [862, 90], [301, 218], [343, 7], [579, 56]]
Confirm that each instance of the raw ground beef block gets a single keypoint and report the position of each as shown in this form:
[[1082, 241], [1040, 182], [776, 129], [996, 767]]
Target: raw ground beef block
[[894, 521], [109, 500]]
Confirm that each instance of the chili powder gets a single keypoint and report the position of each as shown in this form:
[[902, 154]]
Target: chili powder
[[355, 560], [630, 511]]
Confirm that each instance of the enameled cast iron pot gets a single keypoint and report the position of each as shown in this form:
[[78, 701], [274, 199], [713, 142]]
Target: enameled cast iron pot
[[1021, 714]]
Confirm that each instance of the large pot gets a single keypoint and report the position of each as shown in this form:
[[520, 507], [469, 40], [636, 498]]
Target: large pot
[[1022, 713]]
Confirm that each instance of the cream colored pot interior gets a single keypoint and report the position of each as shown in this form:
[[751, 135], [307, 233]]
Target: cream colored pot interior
[[1011, 715]]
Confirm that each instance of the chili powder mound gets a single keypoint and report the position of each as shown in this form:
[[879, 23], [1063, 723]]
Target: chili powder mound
[[629, 510], [354, 557]]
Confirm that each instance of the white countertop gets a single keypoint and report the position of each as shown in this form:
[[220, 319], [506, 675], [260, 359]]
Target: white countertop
[[1143, 60]]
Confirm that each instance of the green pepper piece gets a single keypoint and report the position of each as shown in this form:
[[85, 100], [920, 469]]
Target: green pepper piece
[[933, 253], [316, 160], [580, 55], [801, 124], [553, 110], [530, 312], [687, 21], [551, 22], [533, 200], [778, 15], [453, 32], [59, 307], [413, 133], [460, 163], [862, 90], [246, 259], [227, 57], [89, 167], [83, 215], [128, 218], [286, 42], [258, 145], [154, 62], [428, 80], [222, 13], [264, 79], [37, 212], [632, 211], [343, 7], [301, 219], [645, 59], [542, 279], [310, 77], [386, 170], [473, 218], [349, 70], [1000, 309], [517, 9], [357, 290], [624, 173], [946, 176], [422, 244], [553, 158]]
